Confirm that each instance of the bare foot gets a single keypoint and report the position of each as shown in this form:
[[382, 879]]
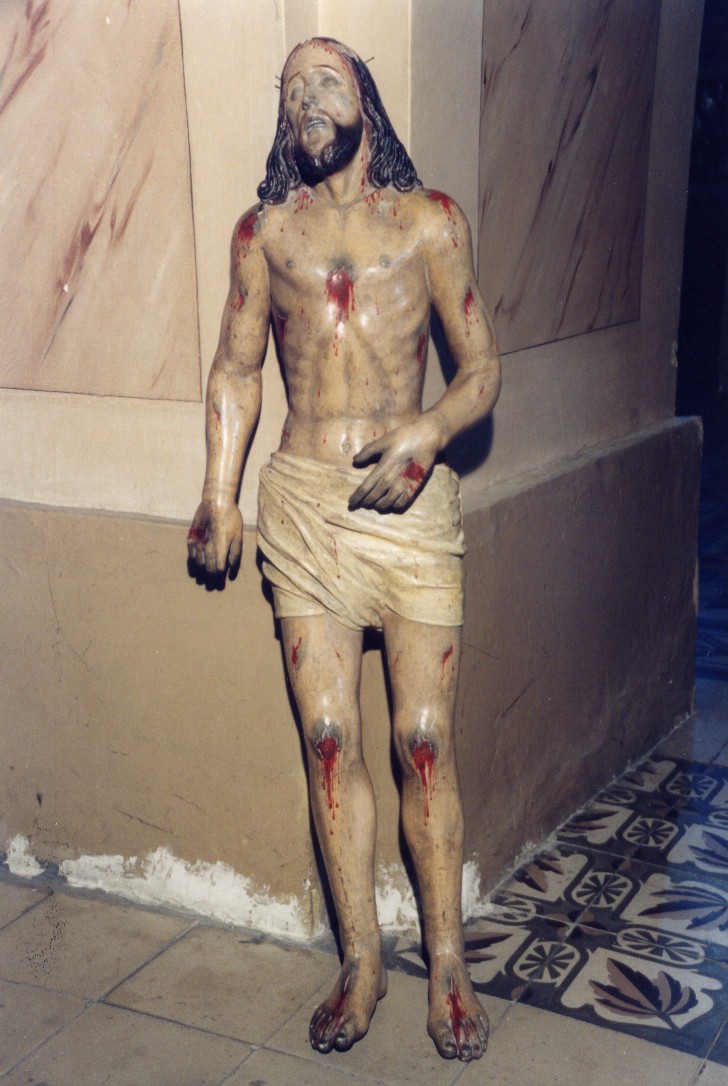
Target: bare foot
[[344, 1017], [457, 1023]]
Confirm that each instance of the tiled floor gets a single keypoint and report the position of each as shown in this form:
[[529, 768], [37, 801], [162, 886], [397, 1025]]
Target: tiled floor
[[604, 960]]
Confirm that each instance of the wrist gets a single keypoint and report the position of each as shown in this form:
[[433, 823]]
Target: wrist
[[219, 493], [440, 427]]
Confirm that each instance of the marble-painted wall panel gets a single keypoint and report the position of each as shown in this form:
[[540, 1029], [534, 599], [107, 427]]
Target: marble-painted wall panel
[[97, 278], [565, 130]]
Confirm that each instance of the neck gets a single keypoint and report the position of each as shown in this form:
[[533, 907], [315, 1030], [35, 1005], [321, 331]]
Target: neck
[[347, 185]]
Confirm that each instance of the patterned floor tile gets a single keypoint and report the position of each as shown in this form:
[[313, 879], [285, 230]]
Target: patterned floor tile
[[719, 1052]]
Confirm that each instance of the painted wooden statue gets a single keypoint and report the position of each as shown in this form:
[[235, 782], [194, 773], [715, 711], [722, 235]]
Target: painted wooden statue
[[359, 523]]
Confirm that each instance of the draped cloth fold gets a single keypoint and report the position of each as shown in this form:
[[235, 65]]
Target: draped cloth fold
[[320, 556]]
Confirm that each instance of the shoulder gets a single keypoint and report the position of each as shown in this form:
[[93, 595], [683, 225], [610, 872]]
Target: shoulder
[[248, 228], [441, 220], [438, 209]]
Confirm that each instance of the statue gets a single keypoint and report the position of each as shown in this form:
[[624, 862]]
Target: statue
[[359, 524]]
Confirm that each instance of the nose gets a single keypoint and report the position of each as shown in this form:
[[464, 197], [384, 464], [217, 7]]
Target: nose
[[309, 98]]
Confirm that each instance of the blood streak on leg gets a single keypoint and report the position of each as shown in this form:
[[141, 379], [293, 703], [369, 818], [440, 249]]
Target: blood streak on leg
[[447, 655], [328, 749], [458, 1014], [423, 756], [294, 654]]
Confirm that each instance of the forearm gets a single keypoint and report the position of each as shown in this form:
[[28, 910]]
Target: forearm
[[469, 397], [232, 409]]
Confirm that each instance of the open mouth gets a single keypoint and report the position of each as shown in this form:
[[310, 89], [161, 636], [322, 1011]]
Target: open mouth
[[315, 122]]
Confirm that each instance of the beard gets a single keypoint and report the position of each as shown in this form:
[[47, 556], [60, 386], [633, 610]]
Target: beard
[[334, 157]]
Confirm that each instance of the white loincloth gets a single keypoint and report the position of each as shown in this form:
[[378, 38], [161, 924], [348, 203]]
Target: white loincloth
[[356, 564]]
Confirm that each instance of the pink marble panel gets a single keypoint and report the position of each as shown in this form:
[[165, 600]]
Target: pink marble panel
[[565, 127], [97, 277]]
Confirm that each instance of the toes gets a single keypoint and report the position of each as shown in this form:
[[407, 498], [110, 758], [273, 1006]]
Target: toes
[[481, 1024], [469, 1044], [344, 1040], [445, 1042], [322, 1031]]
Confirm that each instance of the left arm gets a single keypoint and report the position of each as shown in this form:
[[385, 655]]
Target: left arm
[[406, 454]]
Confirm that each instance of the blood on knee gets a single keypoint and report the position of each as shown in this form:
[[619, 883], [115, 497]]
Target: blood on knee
[[423, 753], [326, 742]]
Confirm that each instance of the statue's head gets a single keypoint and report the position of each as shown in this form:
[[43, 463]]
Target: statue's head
[[329, 109]]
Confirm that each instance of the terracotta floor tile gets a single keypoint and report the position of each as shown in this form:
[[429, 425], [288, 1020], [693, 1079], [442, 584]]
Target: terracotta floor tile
[[80, 945], [534, 1048], [107, 1046], [223, 981], [29, 1015]]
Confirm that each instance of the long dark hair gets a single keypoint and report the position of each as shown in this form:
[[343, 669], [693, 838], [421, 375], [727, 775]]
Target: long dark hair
[[389, 163]]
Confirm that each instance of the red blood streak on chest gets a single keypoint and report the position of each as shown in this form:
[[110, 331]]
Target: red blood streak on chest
[[421, 345], [328, 752], [423, 757], [447, 655], [458, 1014], [340, 293]]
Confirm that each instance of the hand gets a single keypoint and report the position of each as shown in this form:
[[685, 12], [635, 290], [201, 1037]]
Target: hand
[[405, 456], [216, 535]]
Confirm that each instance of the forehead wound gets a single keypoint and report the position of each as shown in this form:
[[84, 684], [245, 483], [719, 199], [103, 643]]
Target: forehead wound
[[321, 55]]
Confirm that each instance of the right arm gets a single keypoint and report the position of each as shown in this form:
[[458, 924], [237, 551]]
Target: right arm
[[233, 399]]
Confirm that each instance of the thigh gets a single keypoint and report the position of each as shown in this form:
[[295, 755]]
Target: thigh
[[423, 662], [323, 658]]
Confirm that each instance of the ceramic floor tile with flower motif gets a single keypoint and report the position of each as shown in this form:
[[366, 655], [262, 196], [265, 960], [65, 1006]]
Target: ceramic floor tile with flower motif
[[624, 921]]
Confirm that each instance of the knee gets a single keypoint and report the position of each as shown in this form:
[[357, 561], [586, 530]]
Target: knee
[[329, 741], [423, 740]]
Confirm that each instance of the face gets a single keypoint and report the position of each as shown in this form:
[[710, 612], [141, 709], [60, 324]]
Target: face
[[321, 97]]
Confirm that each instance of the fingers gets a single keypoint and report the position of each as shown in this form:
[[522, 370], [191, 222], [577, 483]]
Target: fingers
[[371, 450], [389, 487], [213, 551], [236, 550]]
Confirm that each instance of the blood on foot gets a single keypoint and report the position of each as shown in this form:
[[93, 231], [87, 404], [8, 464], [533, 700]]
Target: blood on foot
[[458, 1014]]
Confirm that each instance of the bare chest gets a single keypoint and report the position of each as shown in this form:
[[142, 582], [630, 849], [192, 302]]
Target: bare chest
[[364, 261]]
